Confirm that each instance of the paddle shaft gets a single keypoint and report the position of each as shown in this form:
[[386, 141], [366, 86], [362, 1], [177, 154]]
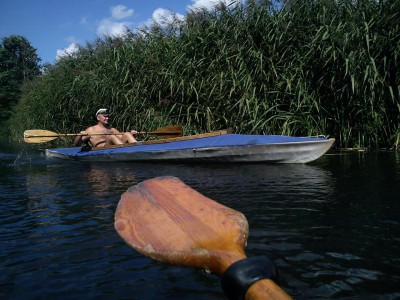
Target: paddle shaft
[[43, 136], [94, 134]]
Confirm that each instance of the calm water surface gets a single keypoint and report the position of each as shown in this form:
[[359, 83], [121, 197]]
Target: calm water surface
[[332, 227]]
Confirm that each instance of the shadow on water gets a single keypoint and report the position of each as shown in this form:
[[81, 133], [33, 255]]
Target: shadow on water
[[330, 226]]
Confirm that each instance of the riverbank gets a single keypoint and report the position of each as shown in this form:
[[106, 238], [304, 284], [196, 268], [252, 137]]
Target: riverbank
[[240, 67]]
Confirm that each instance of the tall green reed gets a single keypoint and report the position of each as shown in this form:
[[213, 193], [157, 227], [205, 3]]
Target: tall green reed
[[306, 68]]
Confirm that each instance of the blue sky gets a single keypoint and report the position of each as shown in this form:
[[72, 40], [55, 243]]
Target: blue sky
[[56, 26]]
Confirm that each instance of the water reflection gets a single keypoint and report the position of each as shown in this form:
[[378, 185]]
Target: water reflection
[[331, 227], [101, 179]]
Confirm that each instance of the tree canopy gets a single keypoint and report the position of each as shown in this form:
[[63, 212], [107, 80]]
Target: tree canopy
[[18, 63]]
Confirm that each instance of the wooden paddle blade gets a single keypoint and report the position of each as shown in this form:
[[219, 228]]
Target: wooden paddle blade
[[36, 136], [168, 131], [165, 219], [39, 133], [40, 139]]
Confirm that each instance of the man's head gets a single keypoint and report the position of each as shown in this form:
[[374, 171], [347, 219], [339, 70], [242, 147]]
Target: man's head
[[102, 116]]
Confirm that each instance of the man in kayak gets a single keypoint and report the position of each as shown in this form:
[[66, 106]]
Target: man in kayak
[[111, 135]]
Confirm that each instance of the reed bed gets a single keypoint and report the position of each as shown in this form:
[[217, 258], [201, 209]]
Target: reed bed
[[304, 68]]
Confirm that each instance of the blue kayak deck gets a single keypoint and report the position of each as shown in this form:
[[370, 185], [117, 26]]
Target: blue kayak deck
[[226, 140]]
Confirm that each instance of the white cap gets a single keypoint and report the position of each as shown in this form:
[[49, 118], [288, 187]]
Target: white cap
[[103, 111]]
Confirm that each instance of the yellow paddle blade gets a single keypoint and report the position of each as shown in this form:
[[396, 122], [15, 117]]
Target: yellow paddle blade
[[39, 139], [39, 132], [35, 136]]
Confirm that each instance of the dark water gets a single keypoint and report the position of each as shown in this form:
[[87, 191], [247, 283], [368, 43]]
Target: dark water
[[332, 227]]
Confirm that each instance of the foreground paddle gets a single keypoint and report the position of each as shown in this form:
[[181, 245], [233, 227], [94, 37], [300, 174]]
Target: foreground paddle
[[42, 136], [167, 220]]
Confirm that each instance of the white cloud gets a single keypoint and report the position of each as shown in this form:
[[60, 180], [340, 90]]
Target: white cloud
[[121, 12], [208, 4], [109, 27], [162, 15], [70, 50], [112, 27]]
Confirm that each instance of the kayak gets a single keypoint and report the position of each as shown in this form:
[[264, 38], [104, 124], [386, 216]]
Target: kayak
[[218, 146]]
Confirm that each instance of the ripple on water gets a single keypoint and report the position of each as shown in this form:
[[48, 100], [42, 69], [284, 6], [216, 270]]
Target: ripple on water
[[345, 256], [328, 234]]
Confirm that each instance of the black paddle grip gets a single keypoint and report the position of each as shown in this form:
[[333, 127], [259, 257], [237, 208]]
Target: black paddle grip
[[239, 276]]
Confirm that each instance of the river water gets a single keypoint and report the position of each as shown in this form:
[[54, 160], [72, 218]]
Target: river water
[[332, 226]]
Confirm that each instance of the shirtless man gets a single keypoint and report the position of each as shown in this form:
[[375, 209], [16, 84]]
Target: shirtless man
[[103, 126]]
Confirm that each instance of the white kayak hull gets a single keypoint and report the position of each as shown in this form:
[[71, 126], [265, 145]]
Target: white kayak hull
[[248, 148]]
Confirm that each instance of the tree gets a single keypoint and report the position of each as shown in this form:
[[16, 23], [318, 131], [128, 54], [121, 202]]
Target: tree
[[18, 63]]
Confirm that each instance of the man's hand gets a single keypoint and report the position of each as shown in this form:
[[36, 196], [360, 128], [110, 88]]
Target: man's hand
[[84, 137]]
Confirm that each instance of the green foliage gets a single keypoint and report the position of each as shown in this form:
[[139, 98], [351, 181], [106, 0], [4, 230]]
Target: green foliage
[[18, 64], [305, 68]]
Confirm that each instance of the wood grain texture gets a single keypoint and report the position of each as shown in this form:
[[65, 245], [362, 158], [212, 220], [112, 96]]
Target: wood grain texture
[[167, 220]]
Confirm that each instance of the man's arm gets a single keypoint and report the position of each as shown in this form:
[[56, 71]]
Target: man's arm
[[81, 139]]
